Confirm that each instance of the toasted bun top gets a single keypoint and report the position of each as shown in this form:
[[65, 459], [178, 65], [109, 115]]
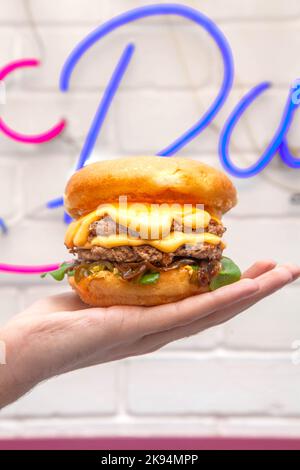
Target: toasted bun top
[[149, 180]]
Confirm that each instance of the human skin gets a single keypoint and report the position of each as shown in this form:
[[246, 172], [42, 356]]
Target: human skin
[[59, 334]]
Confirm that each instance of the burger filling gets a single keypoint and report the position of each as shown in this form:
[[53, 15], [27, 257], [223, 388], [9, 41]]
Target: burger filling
[[141, 260], [138, 245]]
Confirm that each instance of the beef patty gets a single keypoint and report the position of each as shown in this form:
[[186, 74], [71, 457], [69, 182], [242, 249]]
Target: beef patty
[[132, 254], [135, 254], [107, 226], [133, 261]]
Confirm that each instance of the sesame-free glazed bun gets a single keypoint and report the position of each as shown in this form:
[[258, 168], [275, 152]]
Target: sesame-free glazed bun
[[111, 290], [149, 179]]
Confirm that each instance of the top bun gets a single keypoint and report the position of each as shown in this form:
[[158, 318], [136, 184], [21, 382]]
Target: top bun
[[149, 180]]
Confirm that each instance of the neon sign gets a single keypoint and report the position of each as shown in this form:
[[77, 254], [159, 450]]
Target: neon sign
[[12, 134], [120, 21], [278, 143]]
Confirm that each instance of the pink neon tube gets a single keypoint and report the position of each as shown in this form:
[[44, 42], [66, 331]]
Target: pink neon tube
[[17, 64], [16, 136], [32, 139], [14, 269], [35, 139]]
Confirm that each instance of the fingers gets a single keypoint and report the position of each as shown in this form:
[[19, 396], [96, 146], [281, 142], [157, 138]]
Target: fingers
[[162, 318], [277, 278], [294, 270], [259, 268], [268, 283]]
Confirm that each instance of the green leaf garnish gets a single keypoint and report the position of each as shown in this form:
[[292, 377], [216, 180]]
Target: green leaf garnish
[[150, 278], [229, 274], [60, 273], [195, 267]]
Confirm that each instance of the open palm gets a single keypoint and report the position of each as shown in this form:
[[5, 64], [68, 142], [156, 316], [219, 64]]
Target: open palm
[[59, 334]]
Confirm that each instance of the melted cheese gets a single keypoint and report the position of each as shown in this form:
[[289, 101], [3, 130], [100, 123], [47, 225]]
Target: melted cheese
[[153, 224], [167, 245]]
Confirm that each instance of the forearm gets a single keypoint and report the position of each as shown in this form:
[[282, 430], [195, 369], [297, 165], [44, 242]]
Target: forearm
[[16, 376]]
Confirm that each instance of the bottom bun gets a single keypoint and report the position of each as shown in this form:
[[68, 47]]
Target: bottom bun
[[109, 289]]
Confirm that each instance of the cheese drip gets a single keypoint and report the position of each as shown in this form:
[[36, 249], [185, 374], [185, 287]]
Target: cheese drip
[[153, 224], [169, 244]]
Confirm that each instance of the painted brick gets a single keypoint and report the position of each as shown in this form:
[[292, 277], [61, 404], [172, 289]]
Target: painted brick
[[265, 51], [12, 12], [114, 426], [31, 234], [155, 62], [231, 9], [268, 194], [174, 76], [58, 43], [272, 324], [265, 239], [261, 385], [149, 120], [24, 245], [25, 112], [260, 427], [45, 178], [70, 11], [106, 426], [206, 340], [10, 192], [87, 392], [9, 40]]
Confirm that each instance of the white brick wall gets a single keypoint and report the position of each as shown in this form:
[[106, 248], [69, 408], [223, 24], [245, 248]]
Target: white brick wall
[[231, 9], [213, 385], [237, 379], [48, 400]]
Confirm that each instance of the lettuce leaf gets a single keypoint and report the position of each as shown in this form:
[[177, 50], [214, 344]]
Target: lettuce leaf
[[65, 269], [229, 274], [150, 278]]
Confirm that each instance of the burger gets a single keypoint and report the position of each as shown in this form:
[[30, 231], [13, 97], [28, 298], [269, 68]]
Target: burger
[[147, 231]]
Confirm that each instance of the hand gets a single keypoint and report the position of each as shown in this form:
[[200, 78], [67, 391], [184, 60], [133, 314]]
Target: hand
[[60, 334]]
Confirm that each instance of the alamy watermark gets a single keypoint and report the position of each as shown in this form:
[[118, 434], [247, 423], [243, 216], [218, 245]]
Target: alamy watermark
[[2, 353], [152, 221], [296, 92], [2, 92], [295, 357]]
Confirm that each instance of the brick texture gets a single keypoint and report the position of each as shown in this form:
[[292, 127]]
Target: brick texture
[[238, 379], [192, 386]]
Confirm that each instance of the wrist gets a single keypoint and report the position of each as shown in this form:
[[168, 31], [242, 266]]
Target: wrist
[[17, 374]]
